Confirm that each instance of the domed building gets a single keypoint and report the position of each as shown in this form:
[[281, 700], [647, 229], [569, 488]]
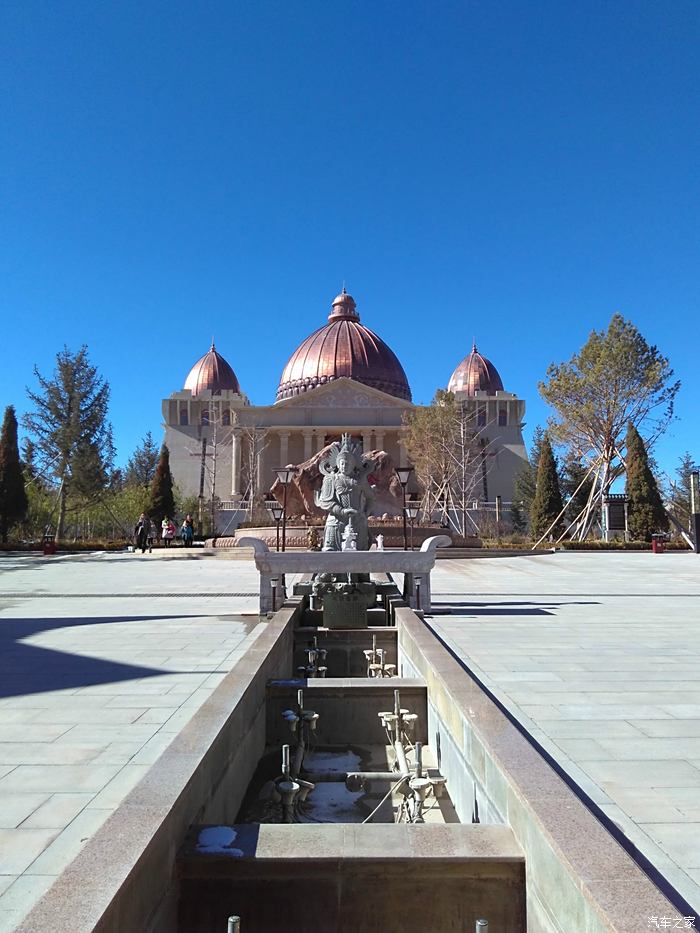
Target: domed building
[[343, 348], [342, 378]]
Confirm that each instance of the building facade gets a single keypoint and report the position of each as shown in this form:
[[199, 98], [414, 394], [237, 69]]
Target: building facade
[[342, 378]]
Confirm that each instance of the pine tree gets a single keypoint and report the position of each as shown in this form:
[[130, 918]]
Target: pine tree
[[162, 497], [72, 437], [547, 503], [141, 467], [571, 477], [525, 484], [646, 509], [593, 409], [13, 497]]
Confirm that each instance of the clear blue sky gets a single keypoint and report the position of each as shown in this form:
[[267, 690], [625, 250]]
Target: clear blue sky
[[511, 171]]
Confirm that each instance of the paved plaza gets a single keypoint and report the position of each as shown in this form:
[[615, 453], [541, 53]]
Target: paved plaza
[[598, 656], [105, 657]]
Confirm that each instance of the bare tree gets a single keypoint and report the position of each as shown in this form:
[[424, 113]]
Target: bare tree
[[450, 453], [254, 440]]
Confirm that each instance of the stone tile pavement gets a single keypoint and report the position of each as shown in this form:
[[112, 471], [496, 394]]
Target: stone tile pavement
[[103, 659], [598, 655]]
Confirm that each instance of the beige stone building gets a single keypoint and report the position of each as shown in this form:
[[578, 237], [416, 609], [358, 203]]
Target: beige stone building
[[342, 378]]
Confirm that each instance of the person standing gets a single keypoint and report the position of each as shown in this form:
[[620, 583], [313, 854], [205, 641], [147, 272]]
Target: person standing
[[187, 531], [152, 535], [167, 531], [142, 530]]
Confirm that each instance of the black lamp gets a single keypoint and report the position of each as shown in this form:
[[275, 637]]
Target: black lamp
[[284, 476], [412, 509], [404, 475], [275, 510]]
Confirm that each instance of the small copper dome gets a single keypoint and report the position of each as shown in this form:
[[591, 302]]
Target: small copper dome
[[343, 347], [475, 374], [211, 373]]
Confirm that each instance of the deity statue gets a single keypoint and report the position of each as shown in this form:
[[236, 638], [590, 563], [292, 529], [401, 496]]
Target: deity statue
[[346, 495]]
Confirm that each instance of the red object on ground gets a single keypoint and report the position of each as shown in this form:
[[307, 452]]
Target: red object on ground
[[658, 544], [49, 546]]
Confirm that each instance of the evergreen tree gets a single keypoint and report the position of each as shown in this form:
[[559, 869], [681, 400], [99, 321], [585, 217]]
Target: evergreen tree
[[13, 497], [547, 503], [525, 484], [141, 467], [571, 477], [616, 377], [71, 434], [646, 509], [162, 497]]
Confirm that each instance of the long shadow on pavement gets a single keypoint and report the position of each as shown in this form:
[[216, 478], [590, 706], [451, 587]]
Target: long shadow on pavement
[[32, 669]]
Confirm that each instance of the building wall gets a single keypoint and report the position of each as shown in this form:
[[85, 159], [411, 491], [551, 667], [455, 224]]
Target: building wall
[[298, 428]]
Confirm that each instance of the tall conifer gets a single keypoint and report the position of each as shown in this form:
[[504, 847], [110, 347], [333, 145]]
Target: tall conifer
[[162, 497], [547, 503], [13, 497], [646, 509]]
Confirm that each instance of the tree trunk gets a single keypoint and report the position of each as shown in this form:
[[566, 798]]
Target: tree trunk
[[61, 511]]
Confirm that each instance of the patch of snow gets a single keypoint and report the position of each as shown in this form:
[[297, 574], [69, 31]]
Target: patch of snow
[[218, 840], [333, 803]]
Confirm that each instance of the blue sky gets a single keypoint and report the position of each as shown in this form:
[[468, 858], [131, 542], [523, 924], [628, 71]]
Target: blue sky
[[515, 172]]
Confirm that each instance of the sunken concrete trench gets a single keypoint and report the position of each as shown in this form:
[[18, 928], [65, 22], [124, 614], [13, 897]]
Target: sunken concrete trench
[[347, 822], [345, 779]]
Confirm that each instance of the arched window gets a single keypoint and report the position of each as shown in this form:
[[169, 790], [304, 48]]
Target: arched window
[[226, 418], [183, 414], [205, 417], [502, 417]]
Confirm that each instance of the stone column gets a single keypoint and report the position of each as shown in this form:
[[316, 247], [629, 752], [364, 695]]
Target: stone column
[[403, 453], [236, 463], [284, 448], [308, 438], [366, 441], [379, 439], [320, 437], [260, 471]]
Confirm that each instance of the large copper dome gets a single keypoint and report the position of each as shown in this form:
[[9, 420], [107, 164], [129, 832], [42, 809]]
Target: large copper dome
[[475, 374], [343, 347], [211, 373]]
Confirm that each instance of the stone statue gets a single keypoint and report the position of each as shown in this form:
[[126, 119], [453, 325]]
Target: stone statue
[[346, 495]]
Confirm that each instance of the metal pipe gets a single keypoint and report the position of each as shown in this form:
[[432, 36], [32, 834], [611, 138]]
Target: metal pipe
[[359, 777], [299, 754], [482, 926], [285, 760], [234, 925], [419, 759], [401, 757]]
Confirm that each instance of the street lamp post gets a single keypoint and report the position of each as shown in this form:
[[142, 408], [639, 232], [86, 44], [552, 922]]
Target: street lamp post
[[411, 511], [285, 476], [276, 512], [404, 475]]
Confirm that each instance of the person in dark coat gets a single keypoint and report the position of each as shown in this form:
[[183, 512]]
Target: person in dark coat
[[187, 531], [142, 531]]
